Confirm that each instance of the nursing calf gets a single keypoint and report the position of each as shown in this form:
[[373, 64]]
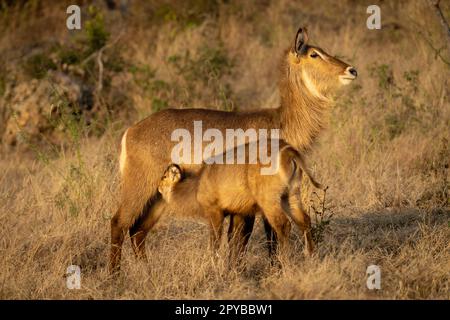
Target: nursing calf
[[242, 190]]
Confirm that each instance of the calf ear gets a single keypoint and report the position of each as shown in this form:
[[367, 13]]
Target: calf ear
[[301, 41]]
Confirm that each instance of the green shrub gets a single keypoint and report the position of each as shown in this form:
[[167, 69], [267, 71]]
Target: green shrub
[[211, 63], [158, 104], [321, 215], [384, 75], [187, 14], [3, 81], [96, 33], [37, 65], [69, 55]]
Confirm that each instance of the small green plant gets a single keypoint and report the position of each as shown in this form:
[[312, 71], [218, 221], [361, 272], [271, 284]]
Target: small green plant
[[96, 34], [158, 104], [438, 195], [211, 63], [38, 65], [395, 124], [186, 14], [143, 76], [68, 55], [384, 75], [321, 216], [402, 111], [3, 80], [198, 78], [158, 90], [166, 13], [77, 187], [411, 76], [206, 70], [66, 117], [441, 171]]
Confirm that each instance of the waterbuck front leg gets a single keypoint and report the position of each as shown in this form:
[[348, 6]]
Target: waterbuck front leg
[[216, 218], [277, 229]]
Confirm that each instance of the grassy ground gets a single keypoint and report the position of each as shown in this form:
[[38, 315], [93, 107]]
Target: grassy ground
[[384, 156]]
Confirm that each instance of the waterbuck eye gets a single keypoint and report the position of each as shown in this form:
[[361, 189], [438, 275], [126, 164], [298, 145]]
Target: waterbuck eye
[[314, 55]]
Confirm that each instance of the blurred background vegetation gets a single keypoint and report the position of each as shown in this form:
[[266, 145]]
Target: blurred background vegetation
[[132, 58], [66, 96]]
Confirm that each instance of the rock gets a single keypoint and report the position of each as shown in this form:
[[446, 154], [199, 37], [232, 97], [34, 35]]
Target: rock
[[33, 106]]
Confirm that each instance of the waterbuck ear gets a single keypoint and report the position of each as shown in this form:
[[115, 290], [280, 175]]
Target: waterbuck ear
[[301, 41]]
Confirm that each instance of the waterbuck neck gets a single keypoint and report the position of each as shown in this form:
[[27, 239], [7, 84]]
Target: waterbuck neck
[[303, 114]]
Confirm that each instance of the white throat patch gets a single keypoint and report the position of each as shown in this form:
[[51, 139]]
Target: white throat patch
[[311, 86], [123, 153]]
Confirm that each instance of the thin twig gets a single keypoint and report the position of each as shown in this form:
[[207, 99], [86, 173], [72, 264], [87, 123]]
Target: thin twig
[[437, 10], [437, 52], [100, 72], [106, 46]]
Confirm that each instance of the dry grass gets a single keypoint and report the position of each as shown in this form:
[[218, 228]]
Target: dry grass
[[384, 156]]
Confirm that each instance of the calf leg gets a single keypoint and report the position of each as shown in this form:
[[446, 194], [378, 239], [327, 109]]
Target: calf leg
[[270, 238]]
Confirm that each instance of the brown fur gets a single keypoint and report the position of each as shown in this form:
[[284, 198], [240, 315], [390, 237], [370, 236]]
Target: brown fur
[[147, 146], [240, 189]]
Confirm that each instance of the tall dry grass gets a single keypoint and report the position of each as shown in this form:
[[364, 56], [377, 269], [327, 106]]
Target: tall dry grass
[[384, 157]]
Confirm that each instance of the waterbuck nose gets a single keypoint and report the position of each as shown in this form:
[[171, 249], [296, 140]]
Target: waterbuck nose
[[352, 71]]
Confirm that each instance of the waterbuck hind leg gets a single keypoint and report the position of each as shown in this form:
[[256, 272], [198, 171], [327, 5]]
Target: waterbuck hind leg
[[138, 232], [129, 212], [239, 232], [119, 227], [301, 219], [139, 188]]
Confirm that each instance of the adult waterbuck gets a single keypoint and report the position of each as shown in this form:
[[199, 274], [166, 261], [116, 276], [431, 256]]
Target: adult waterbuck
[[309, 77]]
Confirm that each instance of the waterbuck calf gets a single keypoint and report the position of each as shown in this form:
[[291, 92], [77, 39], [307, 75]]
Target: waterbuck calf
[[309, 78], [241, 189]]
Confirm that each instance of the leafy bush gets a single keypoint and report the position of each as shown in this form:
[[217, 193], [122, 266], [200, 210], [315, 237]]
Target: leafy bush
[[37, 65], [384, 74], [96, 33], [186, 14], [203, 75], [210, 63], [3, 80]]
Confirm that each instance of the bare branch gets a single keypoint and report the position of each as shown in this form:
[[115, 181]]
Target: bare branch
[[100, 72], [435, 5], [106, 46], [437, 52]]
